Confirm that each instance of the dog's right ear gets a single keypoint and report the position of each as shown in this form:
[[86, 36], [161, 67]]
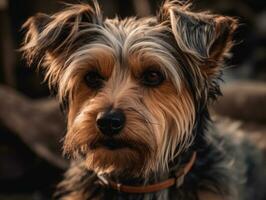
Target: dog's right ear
[[204, 36], [51, 35]]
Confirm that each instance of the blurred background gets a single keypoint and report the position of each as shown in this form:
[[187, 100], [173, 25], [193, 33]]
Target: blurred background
[[31, 124]]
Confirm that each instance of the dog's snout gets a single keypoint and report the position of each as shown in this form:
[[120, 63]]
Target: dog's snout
[[111, 122]]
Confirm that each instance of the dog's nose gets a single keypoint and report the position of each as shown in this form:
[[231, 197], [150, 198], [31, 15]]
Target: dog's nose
[[111, 122]]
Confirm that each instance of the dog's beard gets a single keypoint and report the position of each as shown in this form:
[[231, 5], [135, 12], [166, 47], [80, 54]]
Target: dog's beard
[[121, 155], [132, 158], [131, 152]]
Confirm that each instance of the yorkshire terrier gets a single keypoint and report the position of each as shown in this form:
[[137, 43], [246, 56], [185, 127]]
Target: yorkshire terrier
[[137, 93]]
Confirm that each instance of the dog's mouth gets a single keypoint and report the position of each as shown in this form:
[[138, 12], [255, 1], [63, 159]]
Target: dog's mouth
[[111, 144]]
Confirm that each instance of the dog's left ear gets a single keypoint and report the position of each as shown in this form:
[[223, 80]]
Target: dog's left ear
[[200, 34], [50, 34], [50, 39]]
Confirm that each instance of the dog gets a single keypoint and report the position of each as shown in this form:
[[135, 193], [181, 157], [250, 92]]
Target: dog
[[137, 93]]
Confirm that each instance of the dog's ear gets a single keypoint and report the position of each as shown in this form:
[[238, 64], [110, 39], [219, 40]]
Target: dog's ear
[[201, 34], [50, 39], [52, 34]]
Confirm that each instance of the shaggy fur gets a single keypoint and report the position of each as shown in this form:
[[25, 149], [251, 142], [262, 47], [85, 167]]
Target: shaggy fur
[[164, 124]]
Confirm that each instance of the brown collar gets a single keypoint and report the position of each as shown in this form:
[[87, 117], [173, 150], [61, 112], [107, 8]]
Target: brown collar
[[177, 180]]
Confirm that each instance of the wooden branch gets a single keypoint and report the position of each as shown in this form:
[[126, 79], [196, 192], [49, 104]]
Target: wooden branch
[[3, 4], [244, 101], [142, 7], [7, 46], [38, 123]]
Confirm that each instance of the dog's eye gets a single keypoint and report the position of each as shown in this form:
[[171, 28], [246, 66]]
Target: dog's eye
[[94, 79], [152, 78]]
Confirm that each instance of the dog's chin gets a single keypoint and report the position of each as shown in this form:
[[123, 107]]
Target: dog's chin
[[116, 157]]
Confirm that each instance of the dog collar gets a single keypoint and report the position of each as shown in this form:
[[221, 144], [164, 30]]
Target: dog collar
[[177, 180]]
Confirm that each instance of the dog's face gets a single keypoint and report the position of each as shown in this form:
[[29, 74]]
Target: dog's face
[[135, 86]]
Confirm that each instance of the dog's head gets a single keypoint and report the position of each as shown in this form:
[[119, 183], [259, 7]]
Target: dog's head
[[134, 87]]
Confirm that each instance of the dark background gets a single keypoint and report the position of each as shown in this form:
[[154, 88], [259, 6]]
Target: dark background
[[30, 163]]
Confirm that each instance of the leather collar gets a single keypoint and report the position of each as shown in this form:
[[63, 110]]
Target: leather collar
[[177, 181]]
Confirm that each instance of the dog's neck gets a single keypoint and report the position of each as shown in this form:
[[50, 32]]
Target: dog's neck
[[155, 182]]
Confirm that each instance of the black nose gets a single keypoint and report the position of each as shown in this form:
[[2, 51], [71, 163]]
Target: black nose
[[111, 122]]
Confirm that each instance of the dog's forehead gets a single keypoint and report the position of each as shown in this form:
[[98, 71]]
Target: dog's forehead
[[136, 40], [129, 38], [131, 34], [129, 25]]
